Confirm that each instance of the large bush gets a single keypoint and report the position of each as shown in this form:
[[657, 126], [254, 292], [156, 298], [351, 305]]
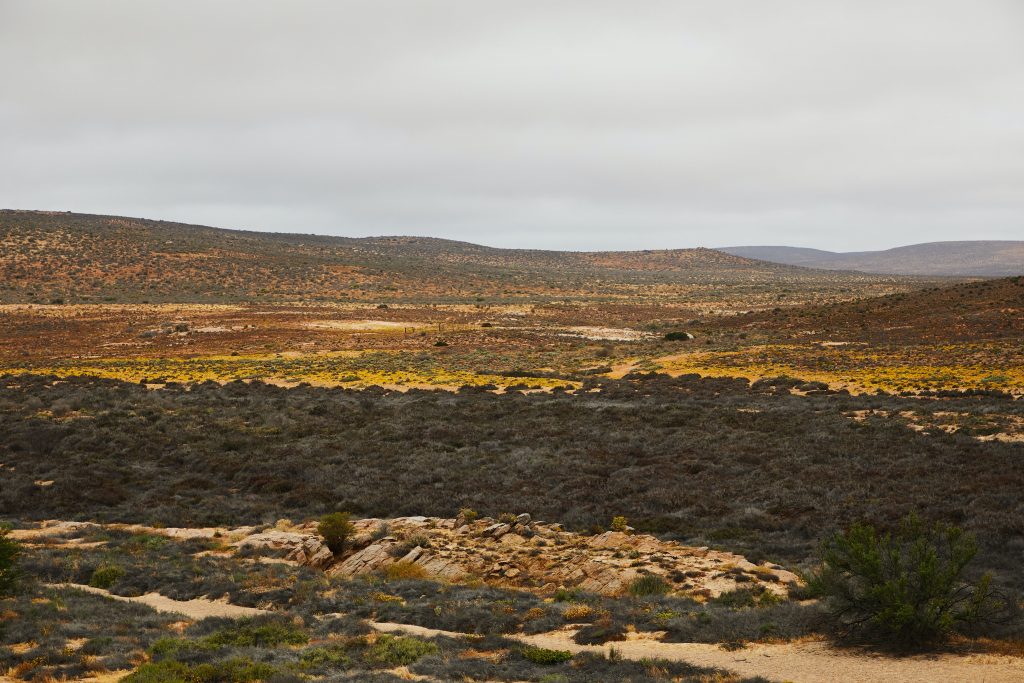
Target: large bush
[[9, 551], [905, 589]]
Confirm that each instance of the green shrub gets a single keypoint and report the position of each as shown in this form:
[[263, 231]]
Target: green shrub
[[542, 655], [9, 552], [905, 589], [619, 523], [236, 670], [168, 647], [677, 336], [398, 651], [105, 576], [257, 632], [568, 595], [468, 514], [648, 584], [328, 658], [336, 529]]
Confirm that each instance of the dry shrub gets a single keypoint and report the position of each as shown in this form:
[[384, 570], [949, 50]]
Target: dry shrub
[[405, 570]]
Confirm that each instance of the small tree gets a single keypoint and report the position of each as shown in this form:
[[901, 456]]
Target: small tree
[[9, 552], [904, 588], [336, 529]]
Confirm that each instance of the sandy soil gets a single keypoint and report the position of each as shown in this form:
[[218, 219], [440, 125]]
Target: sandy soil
[[803, 662], [365, 325], [199, 608]]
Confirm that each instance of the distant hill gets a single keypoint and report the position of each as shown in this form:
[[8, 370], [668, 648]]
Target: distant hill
[[973, 258], [57, 256]]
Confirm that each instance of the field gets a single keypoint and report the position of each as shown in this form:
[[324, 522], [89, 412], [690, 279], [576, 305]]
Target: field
[[180, 404], [962, 336]]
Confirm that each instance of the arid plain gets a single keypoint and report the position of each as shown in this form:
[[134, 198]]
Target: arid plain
[[557, 465]]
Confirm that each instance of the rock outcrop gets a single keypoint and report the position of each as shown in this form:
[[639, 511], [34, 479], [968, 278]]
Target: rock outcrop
[[532, 555], [515, 552]]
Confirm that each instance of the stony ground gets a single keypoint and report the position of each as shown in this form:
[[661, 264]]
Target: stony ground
[[522, 553]]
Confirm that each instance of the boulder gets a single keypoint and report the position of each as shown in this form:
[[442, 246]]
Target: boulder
[[369, 559], [512, 539], [312, 552], [497, 530]]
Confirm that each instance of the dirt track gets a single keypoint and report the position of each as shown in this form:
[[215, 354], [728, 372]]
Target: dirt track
[[805, 662]]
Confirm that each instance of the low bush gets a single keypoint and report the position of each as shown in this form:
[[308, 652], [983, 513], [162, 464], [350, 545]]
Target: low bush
[[604, 630], [577, 612], [324, 659], [568, 595], [105, 576], [747, 597], [648, 584], [398, 650], [619, 523], [404, 570], [417, 541], [542, 655], [236, 670], [261, 631]]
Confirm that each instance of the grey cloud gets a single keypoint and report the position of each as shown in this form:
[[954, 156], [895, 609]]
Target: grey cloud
[[586, 124]]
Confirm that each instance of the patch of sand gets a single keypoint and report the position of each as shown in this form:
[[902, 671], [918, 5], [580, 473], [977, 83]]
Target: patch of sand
[[199, 608], [363, 325], [606, 333], [801, 662]]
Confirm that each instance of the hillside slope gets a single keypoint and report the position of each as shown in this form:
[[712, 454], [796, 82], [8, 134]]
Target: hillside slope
[[966, 312], [969, 258], [52, 256]]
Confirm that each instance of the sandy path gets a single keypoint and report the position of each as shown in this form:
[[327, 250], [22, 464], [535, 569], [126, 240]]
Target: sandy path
[[197, 609], [806, 662]]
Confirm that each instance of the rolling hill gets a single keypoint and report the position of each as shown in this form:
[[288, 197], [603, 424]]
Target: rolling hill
[[971, 258], [48, 257], [965, 312]]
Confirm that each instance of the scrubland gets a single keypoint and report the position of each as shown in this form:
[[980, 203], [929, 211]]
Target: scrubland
[[179, 376]]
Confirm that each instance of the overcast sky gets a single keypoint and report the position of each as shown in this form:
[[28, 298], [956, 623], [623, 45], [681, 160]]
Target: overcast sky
[[584, 125]]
